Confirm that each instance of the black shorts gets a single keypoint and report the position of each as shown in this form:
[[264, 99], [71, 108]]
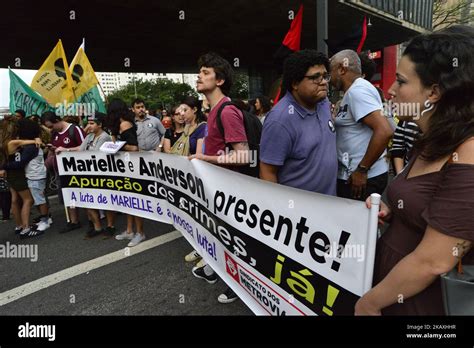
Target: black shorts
[[17, 180]]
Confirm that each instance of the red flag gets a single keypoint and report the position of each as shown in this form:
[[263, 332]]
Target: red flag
[[364, 36], [293, 37], [291, 43], [277, 98], [353, 40]]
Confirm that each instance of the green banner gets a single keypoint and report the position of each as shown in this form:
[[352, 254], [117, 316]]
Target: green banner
[[25, 98], [93, 97]]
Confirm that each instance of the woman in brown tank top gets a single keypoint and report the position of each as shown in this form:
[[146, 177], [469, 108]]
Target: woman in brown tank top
[[431, 202]]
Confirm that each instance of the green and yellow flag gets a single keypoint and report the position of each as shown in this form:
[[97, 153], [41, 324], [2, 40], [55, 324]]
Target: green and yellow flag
[[53, 80], [83, 74]]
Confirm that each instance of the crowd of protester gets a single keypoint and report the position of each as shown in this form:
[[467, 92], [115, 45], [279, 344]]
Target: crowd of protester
[[338, 148]]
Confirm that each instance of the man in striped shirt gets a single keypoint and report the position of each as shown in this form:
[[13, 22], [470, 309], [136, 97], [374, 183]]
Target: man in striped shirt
[[403, 140]]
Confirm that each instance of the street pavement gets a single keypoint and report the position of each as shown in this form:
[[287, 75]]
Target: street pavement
[[155, 281]]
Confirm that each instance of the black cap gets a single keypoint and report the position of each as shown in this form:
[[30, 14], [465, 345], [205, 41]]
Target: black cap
[[98, 118]]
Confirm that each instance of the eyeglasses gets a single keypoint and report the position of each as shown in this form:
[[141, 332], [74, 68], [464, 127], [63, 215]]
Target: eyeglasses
[[318, 78]]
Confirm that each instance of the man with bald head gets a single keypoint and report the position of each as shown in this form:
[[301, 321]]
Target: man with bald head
[[362, 131]]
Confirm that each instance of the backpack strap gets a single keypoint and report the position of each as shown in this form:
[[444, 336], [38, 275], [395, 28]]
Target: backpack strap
[[219, 117], [72, 133], [71, 130]]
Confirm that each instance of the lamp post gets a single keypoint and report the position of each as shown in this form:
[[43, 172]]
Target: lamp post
[[322, 25]]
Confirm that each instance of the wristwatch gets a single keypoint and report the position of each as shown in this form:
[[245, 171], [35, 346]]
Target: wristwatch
[[362, 169]]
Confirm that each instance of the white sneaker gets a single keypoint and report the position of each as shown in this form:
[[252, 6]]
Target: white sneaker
[[201, 263], [43, 226], [228, 296], [125, 235], [192, 256], [137, 240], [50, 221]]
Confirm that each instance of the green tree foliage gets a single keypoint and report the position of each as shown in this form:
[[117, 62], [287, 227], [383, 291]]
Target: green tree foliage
[[446, 14], [240, 88], [161, 93]]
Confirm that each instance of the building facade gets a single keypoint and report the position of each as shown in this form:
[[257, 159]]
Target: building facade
[[111, 82]]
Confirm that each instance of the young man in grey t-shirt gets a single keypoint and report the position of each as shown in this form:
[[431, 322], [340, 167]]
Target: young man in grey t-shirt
[[92, 142]]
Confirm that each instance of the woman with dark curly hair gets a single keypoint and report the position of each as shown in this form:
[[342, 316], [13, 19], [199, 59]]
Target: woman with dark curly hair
[[431, 202], [263, 106], [120, 121]]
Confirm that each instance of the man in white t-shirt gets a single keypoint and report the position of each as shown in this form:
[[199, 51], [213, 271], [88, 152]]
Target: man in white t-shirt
[[362, 131]]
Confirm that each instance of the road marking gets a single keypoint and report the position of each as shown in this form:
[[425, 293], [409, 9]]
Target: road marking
[[68, 273]]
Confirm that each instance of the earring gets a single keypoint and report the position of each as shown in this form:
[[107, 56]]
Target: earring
[[428, 107]]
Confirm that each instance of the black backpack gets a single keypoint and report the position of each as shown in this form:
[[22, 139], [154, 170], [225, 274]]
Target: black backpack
[[72, 132], [253, 130]]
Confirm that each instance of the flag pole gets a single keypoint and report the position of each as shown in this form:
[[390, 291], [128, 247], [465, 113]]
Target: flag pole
[[98, 82], [105, 95], [66, 210]]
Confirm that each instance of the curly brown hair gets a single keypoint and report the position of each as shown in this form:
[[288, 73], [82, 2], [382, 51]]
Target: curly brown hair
[[445, 58], [8, 131]]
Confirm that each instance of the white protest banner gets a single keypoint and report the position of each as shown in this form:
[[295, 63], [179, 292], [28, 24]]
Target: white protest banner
[[284, 251]]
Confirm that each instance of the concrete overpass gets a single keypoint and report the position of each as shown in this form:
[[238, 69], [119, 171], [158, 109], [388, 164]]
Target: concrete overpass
[[168, 36]]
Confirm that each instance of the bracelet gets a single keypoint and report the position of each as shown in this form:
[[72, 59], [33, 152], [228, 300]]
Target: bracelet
[[362, 169]]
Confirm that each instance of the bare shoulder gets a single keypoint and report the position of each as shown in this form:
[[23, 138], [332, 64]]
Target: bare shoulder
[[125, 125], [465, 152], [13, 146]]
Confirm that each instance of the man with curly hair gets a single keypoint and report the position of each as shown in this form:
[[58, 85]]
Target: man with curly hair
[[298, 146]]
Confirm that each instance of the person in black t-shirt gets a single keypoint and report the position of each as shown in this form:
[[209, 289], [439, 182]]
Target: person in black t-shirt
[[174, 133], [121, 122]]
